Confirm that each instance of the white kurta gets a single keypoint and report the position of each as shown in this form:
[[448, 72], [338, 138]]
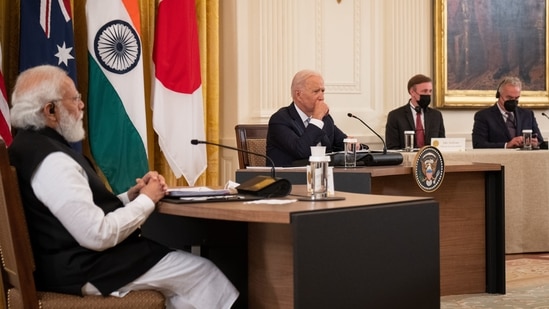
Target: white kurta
[[187, 281]]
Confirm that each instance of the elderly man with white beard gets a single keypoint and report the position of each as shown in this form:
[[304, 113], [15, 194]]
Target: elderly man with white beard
[[85, 239]]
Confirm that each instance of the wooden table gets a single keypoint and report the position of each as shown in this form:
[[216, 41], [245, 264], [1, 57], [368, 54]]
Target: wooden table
[[526, 194], [472, 208], [367, 251]]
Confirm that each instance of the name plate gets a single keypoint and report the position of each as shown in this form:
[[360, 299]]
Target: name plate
[[449, 144]]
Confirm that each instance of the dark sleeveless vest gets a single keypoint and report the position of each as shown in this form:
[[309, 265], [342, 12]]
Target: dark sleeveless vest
[[62, 265]]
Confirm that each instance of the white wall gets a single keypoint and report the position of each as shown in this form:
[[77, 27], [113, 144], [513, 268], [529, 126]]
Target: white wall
[[365, 49]]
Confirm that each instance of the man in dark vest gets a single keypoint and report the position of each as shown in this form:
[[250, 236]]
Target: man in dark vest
[[85, 239]]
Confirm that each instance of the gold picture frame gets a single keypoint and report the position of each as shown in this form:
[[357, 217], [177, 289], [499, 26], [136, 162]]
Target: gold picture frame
[[478, 42]]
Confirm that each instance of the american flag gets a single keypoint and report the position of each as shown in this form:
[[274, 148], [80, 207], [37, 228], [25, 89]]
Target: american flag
[[4, 108]]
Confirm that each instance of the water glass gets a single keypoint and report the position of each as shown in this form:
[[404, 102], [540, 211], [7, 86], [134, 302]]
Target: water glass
[[409, 140], [527, 139], [318, 176], [350, 152]]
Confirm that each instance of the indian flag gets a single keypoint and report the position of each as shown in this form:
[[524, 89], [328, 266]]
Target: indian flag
[[178, 114], [116, 98]]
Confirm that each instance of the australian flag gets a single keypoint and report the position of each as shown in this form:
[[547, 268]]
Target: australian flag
[[47, 36]]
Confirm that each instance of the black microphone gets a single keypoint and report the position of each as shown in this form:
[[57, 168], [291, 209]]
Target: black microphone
[[265, 186], [364, 123], [384, 158], [543, 144]]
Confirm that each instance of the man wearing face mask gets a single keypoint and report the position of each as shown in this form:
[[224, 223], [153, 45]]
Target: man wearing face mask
[[416, 116], [501, 125]]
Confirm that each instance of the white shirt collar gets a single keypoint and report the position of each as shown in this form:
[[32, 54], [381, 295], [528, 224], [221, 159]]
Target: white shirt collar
[[502, 111], [301, 113]]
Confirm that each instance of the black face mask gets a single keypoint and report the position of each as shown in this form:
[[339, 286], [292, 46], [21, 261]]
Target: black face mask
[[510, 105], [424, 100]]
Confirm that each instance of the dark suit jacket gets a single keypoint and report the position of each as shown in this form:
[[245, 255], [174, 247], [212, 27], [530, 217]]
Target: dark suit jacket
[[288, 140], [490, 131], [402, 119]]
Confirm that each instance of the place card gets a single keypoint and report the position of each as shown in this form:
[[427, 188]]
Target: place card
[[449, 144]]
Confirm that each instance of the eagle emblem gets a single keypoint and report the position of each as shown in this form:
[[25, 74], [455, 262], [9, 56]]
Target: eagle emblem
[[429, 168]]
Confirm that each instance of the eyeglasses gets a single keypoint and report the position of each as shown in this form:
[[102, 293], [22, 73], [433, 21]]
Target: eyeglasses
[[77, 98]]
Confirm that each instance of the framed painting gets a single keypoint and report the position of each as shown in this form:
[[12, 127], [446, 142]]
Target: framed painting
[[479, 42]]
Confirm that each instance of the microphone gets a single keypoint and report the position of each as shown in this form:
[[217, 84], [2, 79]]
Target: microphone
[[378, 159], [264, 186], [543, 144], [364, 123]]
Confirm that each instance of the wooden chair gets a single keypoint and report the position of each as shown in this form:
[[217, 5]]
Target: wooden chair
[[251, 137], [18, 262]]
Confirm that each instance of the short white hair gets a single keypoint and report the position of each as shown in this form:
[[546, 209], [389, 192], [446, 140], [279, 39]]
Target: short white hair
[[298, 82], [34, 88]]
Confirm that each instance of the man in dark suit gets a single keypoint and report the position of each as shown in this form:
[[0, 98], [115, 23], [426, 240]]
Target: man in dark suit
[[501, 125], [416, 116], [304, 123]]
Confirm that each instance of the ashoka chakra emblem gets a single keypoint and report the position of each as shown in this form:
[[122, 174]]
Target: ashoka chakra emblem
[[117, 47]]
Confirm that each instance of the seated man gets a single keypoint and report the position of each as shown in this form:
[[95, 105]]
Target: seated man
[[416, 115], [501, 125], [304, 123], [85, 239]]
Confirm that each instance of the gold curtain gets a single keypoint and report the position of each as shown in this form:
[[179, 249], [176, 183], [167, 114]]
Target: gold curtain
[[208, 27]]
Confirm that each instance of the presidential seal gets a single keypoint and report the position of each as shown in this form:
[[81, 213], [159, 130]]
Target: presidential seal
[[428, 168]]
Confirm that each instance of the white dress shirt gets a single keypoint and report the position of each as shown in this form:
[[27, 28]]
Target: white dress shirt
[[304, 117]]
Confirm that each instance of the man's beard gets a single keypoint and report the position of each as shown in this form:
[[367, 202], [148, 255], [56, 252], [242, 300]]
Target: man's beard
[[70, 128]]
